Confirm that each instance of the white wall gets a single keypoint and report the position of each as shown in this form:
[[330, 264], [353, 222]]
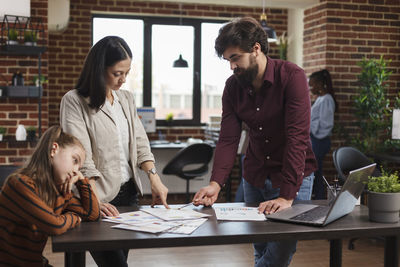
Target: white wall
[[295, 35], [18, 7]]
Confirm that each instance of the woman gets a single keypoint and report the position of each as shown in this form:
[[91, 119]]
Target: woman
[[322, 120], [104, 118]]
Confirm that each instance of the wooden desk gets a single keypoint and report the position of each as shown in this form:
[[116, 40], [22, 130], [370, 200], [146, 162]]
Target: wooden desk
[[100, 236]]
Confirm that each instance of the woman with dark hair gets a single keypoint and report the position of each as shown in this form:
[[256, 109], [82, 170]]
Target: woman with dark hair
[[105, 120], [322, 120]]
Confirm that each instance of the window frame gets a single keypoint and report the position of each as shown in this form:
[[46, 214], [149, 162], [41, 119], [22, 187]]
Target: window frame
[[148, 22]]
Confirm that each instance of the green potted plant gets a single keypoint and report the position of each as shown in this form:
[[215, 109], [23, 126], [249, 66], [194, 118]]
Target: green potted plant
[[282, 43], [2, 132], [384, 198], [30, 37], [169, 118], [35, 80], [372, 106], [31, 133], [12, 37]]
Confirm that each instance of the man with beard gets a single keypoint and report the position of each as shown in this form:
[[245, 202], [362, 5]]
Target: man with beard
[[272, 98]]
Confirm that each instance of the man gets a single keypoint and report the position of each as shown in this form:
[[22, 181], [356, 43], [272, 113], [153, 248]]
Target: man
[[272, 98]]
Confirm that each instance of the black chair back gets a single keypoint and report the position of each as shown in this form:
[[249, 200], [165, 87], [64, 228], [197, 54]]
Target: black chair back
[[189, 163], [347, 159]]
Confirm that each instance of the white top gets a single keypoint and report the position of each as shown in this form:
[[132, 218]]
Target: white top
[[123, 136], [322, 116]]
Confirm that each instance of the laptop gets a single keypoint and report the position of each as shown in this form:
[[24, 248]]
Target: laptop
[[320, 215]]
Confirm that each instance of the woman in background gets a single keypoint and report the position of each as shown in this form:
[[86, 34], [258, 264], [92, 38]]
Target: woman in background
[[322, 121], [36, 201], [105, 120]]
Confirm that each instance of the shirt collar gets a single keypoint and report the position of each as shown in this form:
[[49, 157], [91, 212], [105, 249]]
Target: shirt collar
[[269, 72]]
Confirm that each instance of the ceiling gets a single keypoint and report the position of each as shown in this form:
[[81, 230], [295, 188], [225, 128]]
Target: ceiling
[[250, 3]]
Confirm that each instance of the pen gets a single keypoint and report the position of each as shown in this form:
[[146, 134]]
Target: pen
[[184, 206], [329, 186]]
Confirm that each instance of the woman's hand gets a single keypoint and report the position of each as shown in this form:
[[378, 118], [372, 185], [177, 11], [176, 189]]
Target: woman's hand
[[66, 187], [107, 209], [159, 191]]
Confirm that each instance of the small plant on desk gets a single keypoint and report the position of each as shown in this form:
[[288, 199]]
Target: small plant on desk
[[384, 198]]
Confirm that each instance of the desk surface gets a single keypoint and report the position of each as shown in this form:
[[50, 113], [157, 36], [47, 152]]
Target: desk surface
[[100, 235]]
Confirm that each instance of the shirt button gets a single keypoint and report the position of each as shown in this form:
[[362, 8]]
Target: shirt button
[[260, 128], [258, 109], [267, 157], [266, 141]]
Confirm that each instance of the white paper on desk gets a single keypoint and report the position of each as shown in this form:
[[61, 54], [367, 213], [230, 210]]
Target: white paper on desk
[[174, 214], [238, 214], [187, 227], [133, 217], [149, 227]]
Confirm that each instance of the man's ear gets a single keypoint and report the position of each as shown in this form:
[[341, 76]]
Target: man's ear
[[257, 48], [54, 149]]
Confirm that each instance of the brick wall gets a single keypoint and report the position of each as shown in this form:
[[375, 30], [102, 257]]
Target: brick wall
[[68, 49], [14, 111], [337, 35]]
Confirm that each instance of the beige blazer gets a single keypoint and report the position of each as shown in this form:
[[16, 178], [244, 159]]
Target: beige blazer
[[98, 133]]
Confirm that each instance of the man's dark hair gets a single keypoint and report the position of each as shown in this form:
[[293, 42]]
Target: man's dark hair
[[105, 53], [242, 33]]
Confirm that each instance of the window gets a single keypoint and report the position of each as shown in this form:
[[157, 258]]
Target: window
[[192, 94]]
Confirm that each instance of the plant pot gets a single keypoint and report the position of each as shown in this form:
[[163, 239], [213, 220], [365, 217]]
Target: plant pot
[[12, 42], [30, 43], [31, 135], [384, 207]]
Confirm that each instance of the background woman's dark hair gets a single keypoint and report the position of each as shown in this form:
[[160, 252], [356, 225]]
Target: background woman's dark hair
[[241, 32], [325, 77], [105, 53]]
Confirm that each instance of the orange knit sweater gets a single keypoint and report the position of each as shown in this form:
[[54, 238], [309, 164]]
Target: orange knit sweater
[[26, 220]]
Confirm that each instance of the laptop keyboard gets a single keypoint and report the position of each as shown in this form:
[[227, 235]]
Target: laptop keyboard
[[312, 214]]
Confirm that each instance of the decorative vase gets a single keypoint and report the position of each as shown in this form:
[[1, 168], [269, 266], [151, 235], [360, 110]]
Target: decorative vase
[[20, 134], [384, 207]]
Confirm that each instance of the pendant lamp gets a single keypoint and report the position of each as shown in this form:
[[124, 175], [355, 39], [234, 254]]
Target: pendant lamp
[[270, 31], [180, 62]]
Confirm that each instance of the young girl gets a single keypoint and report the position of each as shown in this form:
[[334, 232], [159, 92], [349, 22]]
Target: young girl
[[36, 201]]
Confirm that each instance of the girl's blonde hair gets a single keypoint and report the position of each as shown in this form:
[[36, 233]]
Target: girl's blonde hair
[[39, 166]]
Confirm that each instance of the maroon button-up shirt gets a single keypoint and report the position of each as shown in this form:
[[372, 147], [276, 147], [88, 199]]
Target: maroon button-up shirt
[[278, 116]]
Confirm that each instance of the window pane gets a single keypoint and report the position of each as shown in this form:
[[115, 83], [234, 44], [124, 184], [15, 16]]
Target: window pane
[[214, 72], [168, 42], [131, 30]]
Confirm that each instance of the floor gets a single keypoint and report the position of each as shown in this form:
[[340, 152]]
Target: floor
[[367, 253]]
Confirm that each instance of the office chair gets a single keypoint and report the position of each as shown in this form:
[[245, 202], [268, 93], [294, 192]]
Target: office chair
[[347, 159], [5, 171], [189, 163]]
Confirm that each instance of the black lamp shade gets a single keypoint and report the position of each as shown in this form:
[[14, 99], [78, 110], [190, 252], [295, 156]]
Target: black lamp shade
[[180, 63], [270, 31]]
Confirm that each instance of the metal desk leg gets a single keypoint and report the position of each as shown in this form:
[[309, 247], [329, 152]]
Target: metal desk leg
[[335, 253], [74, 259], [391, 251]]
